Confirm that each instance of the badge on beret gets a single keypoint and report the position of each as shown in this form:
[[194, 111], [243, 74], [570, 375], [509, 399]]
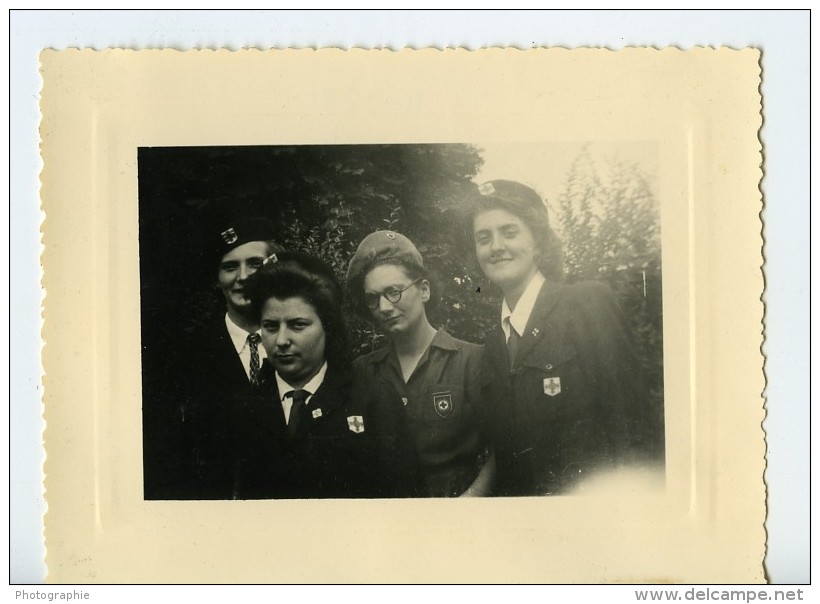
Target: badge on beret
[[355, 423], [552, 386], [390, 235], [229, 236], [443, 403], [486, 189], [316, 413]]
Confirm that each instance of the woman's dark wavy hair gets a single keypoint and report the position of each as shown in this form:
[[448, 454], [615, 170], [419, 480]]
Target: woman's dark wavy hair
[[291, 274], [525, 203]]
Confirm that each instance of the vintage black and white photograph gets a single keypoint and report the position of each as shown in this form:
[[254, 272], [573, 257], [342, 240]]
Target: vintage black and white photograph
[[485, 316], [399, 320]]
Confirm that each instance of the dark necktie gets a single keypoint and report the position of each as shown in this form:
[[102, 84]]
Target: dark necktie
[[297, 410], [253, 345], [512, 345]]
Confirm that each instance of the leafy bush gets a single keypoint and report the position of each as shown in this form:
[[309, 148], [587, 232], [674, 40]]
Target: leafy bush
[[326, 199]]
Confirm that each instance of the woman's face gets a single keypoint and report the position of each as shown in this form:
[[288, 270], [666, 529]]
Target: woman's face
[[505, 248], [294, 339], [408, 312], [235, 268]]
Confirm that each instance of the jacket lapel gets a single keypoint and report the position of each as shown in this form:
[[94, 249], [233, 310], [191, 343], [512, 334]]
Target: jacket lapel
[[548, 297], [222, 363], [495, 355], [330, 395], [267, 404]]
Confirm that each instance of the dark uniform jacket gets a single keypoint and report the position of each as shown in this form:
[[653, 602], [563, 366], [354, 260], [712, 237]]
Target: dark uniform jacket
[[574, 402], [434, 417], [184, 433], [326, 458]]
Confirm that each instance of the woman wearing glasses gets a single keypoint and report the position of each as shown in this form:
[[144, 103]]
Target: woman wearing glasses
[[427, 382]]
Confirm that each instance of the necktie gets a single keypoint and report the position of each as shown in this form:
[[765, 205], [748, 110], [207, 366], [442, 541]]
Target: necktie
[[512, 345], [253, 345], [297, 410]]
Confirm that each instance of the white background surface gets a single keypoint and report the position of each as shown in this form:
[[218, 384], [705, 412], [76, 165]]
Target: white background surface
[[783, 37]]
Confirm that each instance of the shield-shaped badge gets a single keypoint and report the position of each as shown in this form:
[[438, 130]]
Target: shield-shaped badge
[[443, 403], [355, 423], [316, 413], [552, 386], [229, 236]]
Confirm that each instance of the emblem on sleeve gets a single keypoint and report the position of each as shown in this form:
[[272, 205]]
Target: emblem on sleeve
[[552, 386], [355, 423], [443, 403], [229, 236]]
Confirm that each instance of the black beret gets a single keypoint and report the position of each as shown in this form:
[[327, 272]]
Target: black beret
[[513, 194], [239, 231]]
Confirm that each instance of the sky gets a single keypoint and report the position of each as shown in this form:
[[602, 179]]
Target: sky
[[544, 166]]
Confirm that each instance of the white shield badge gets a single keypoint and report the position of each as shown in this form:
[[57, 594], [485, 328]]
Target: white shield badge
[[316, 413], [443, 403], [552, 386], [355, 423]]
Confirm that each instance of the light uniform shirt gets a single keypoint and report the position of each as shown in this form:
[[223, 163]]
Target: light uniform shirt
[[519, 317], [311, 387], [239, 337]]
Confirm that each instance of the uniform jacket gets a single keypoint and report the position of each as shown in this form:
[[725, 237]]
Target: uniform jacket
[[326, 458], [185, 436], [574, 402]]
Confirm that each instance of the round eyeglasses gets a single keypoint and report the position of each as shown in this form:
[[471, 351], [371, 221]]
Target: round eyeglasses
[[392, 294]]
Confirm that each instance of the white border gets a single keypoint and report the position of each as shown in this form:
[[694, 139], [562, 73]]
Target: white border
[[782, 35]]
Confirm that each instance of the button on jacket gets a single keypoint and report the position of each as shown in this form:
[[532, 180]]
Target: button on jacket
[[574, 401]]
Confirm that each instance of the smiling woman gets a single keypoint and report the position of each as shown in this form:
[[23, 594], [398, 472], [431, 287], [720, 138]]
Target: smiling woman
[[565, 396], [185, 438]]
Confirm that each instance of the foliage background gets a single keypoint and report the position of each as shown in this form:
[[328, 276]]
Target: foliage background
[[325, 199]]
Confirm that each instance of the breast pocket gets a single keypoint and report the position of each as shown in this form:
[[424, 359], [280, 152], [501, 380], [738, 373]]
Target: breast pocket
[[443, 402], [549, 384]]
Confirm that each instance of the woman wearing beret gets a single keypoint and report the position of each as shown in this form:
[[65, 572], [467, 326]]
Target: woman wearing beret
[[185, 439], [426, 381], [299, 435], [564, 393]]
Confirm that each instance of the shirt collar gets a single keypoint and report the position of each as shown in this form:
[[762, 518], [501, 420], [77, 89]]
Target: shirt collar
[[311, 387], [519, 317], [442, 340], [238, 336]]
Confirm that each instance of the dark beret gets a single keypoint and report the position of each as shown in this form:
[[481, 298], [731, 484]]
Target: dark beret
[[512, 194], [238, 231]]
